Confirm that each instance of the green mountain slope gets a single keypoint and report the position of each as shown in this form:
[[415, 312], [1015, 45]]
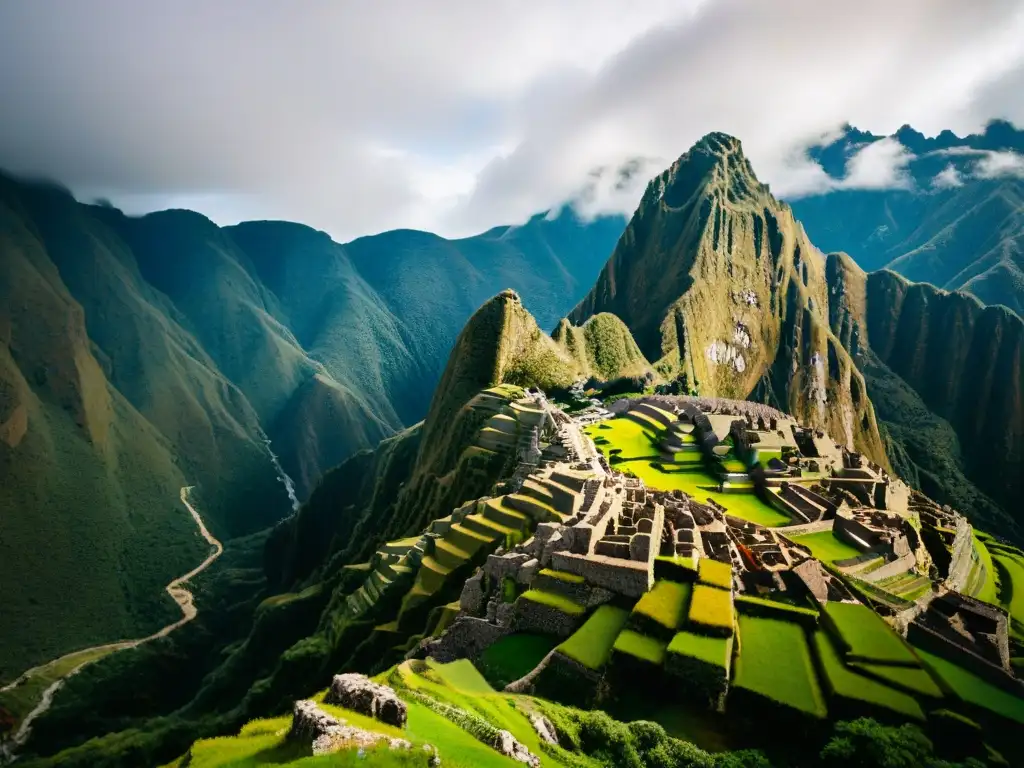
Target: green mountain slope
[[89, 487]]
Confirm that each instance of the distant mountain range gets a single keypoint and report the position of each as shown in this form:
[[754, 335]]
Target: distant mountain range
[[958, 223]]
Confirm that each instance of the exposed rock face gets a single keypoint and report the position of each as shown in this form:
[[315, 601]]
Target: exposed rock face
[[329, 734], [510, 746], [720, 285], [359, 693], [544, 728]]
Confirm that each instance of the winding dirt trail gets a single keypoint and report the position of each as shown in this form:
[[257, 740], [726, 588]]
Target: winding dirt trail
[[179, 593]]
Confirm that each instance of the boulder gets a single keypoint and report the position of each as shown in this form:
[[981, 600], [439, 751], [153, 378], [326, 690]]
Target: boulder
[[326, 733], [360, 694], [510, 746], [544, 728]]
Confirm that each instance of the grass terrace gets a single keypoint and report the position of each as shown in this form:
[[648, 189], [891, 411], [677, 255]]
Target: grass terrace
[[711, 610], [826, 546], [714, 573], [913, 680], [591, 644], [988, 590], [864, 636], [638, 452], [665, 605], [859, 694], [973, 689], [1013, 565], [705, 648], [774, 663], [642, 647]]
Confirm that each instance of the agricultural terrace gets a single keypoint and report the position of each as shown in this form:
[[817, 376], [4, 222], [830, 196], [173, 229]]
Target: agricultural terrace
[[640, 646], [864, 636], [857, 694], [663, 609], [826, 546], [1012, 593], [635, 449], [973, 689], [711, 609], [987, 590], [774, 663], [591, 644]]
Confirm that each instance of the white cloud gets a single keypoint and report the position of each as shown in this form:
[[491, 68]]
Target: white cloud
[[948, 178], [997, 164], [458, 115], [881, 164]]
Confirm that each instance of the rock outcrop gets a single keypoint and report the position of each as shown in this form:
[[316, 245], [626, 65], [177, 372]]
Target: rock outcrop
[[329, 734], [360, 694]]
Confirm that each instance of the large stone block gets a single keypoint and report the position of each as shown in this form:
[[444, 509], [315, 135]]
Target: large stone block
[[360, 694]]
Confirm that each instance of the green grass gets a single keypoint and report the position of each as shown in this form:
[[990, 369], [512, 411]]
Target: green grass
[[1014, 567], [714, 573], [711, 608], [571, 578], [665, 604], [775, 662], [646, 648], [843, 683], [989, 589], [462, 676], [552, 600], [636, 442], [826, 546], [513, 656], [712, 650], [591, 644], [913, 679], [758, 606], [973, 689], [865, 636], [633, 439], [702, 486]]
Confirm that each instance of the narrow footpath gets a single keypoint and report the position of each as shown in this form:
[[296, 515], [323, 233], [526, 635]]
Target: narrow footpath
[[182, 596]]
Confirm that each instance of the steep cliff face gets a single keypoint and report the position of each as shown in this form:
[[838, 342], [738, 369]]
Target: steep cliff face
[[720, 285], [964, 362]]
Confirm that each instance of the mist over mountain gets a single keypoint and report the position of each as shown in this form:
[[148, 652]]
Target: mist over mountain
[[950, 213]]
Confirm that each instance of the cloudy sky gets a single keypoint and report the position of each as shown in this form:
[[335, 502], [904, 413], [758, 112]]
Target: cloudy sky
[[457, 115]]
